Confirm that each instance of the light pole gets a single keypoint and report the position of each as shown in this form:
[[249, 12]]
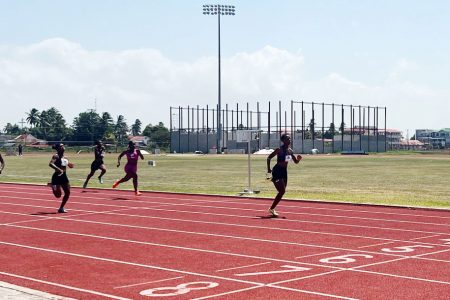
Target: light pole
[[228, 10]]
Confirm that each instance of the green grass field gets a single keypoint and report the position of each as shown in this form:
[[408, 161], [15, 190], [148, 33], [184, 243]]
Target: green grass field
[[392, 179]]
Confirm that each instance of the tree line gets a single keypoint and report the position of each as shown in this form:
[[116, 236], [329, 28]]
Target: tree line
[[88, 126]]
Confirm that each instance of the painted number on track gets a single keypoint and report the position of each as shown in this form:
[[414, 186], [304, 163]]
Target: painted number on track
[[405, 248], [343, 259], [180, 289], [290, 269]]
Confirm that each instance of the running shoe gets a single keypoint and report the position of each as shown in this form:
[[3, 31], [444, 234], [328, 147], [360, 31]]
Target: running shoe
[[84, 185], [137, 193], [100, 180], [62, 211], [115, 184], [273, 212]]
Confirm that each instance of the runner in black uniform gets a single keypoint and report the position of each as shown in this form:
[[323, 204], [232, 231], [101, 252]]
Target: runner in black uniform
[[2, 163], [97, 164], [59, 179], [279, 173]]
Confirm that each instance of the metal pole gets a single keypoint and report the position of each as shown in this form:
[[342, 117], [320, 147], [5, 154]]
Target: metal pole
[[368, 129], [303, 129], [323, 127], [268, 128], [343, 127], [292, 121], [219, 108], [249, 165], [385, 136], [171, 129], [334, 129], [188, 129], [179, 129]]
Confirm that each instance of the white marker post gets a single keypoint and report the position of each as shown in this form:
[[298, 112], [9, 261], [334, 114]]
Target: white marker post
[[247, 136]]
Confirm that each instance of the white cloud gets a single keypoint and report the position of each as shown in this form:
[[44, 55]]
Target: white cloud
[[143, 83]]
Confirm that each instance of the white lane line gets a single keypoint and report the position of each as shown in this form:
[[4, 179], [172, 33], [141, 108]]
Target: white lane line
[[180, 247], [129, 263], [379, 263], [311, 292], [420, 256], [72, 201], [305, 277], [119, 195], [242, 267], [252, 210], [262, 227], [401, 276], [317, 254], [148, 282], [44, 217], [373, 245], [320, 215], [200, 233], [425, 237], [232, 200], [228, 293], [65, 286], [399, 257]]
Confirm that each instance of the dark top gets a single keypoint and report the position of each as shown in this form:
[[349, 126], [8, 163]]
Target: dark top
[[99, 154], [285, 154]]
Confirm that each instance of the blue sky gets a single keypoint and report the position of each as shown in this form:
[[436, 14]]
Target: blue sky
[[387, 53]]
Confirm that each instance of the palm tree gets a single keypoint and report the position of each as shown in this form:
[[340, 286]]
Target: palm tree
[[107, 125], [136, 127], [121, 129], [33, 117]]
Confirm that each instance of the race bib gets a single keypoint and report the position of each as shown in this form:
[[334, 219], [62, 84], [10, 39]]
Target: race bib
[[288, 158], [64, 162]]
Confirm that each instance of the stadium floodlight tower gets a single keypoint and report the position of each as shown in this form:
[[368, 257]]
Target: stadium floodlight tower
[[224, 10]]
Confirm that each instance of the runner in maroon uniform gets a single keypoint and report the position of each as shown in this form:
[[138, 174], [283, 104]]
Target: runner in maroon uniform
[[133, 155]]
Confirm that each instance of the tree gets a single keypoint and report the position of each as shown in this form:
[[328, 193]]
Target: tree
[[33, 117], [107, 126], [159, 135], [136, 127], [87, 126], [312, 126], [121, 130], [342, 127], [52, 125], [11, 129], [331, 132]]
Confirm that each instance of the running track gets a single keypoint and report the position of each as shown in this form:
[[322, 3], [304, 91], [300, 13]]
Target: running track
[[113, 245]]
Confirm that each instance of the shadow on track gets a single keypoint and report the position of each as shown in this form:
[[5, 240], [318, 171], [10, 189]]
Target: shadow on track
[[42, 213]]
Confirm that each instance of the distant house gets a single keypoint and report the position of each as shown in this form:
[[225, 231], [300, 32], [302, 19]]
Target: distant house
[[393, 138], [411, 145], [30, 141], [435, 139], [140, 140], [25, 139]]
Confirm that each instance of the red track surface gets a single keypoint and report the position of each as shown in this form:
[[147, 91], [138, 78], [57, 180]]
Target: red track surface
[[113, 245]]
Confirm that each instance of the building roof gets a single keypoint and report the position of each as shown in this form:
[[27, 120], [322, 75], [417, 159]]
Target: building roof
[[137, 138], [411, 143]]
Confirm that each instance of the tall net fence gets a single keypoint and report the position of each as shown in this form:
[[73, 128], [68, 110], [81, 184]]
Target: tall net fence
[[313, 126]]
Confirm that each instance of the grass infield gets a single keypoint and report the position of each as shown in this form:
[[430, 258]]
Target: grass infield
[[389, 179]]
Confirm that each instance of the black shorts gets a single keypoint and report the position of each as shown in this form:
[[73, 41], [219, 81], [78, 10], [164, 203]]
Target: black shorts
[[58, 179], [96, 164], [279, 172]]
